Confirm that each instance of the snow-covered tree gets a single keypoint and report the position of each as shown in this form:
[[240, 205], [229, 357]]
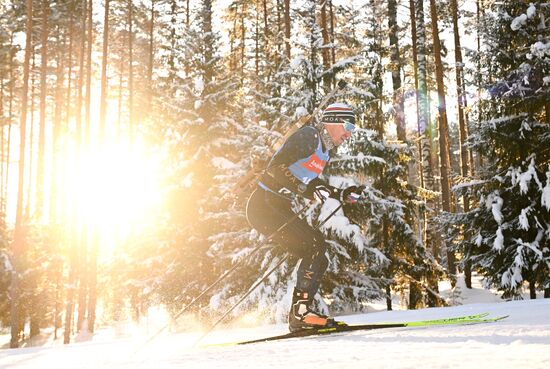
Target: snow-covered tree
[[508, 231]]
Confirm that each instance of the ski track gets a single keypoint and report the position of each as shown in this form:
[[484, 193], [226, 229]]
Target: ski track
[[520, 341]]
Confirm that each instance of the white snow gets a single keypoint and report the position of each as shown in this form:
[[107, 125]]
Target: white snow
[[496, 207], [545, 198], [520, 341], [523, 220], [296, 62], [223, 163], [540, 49], [300, 112], [531, 11], [518, 22], [499, 240]]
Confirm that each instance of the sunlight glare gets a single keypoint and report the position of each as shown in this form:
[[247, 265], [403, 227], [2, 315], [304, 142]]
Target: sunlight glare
[[118, 188]]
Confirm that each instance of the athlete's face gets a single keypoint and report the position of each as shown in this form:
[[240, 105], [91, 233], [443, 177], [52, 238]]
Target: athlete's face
[[339, 132]]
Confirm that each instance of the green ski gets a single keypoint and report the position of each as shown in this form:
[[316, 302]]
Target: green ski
[[467, 319]]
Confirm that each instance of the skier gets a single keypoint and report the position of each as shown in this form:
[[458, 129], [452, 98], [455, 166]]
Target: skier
[[294, 170]]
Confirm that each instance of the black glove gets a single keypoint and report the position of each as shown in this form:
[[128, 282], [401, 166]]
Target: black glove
[[352, 194]]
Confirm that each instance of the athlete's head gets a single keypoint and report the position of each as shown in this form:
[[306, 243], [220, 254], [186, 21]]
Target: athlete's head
[[339, 121]]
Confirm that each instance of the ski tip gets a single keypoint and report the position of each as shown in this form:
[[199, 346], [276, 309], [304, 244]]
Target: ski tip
[[501, 318]]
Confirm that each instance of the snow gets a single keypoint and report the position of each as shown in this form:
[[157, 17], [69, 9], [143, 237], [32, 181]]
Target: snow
[[520, 341], [531, 11], [499, 240], [296, 62], [540, 49], [545, 198], [223, 163], [496, 207], [518, 22], [523, 220]]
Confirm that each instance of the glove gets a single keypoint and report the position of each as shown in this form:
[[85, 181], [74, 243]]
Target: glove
[[352, 194]]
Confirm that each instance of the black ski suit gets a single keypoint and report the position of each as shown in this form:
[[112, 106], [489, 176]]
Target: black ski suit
[[294, 170]]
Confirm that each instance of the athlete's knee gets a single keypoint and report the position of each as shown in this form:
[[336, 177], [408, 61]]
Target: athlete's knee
[[319, 257]]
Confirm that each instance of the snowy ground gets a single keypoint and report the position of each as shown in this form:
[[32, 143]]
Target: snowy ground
[[520, 341]]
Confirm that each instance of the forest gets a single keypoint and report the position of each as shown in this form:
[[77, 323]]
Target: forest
[[125, 125]]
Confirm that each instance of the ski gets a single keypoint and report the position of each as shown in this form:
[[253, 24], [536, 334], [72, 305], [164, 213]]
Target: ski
[[467, 319]]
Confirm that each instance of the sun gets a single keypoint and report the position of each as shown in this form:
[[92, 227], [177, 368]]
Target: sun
[[118, 188]]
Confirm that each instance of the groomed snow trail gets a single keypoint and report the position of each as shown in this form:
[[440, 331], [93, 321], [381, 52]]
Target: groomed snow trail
[[520, 341]]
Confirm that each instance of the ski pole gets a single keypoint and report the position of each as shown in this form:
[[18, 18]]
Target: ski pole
[[241, 300], [228, 272], [211, 328]]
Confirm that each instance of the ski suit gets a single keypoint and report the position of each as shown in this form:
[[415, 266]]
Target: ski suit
[[293, 170]]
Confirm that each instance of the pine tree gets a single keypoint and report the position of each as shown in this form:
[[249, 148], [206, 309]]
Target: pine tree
[[18, 248], [509, 242]]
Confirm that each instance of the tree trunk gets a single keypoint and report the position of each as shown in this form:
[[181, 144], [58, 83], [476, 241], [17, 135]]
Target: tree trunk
[[462, 123], [443, 132], [2, 135], [389, 272], [267, 37], [54, 191], [286, 20], [34, 311], [18, 248], [120, 97], [421, 96], [83, 268], [68, 113], [173, 39], [532, 289], [90, 45], [187, 14], [257, 42], [479, 81], [243, 42], [151, 59], [388, 299], [43, 91], [28, 211], [92, 299], [327, 79], [333, 49], [84, 147], [76, 246], [131, 69], [54, 182], [415, 295], [92, 280], [104, 62], [424, 142], [279, 26], [10, 121], [398, 103], [425, 170], [3, 162]]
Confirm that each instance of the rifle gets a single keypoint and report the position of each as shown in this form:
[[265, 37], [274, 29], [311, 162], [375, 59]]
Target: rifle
[[249, 180]]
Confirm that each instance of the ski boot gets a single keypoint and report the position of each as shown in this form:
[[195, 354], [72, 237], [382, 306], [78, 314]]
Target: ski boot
[[302, 317]]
